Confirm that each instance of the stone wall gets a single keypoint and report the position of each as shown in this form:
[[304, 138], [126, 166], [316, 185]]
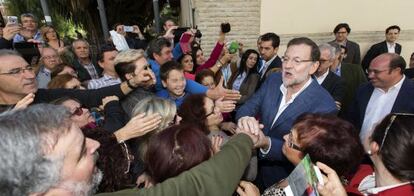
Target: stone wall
[[243, 15]]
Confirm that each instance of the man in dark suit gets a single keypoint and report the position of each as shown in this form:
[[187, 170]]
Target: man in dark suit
[[351, 75], [341, 32], [328, 79], [387, 46], [388, 91], [279, 101], [269, 45]]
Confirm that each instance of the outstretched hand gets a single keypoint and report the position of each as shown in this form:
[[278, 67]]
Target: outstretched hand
[[220, 91], [138, 126]]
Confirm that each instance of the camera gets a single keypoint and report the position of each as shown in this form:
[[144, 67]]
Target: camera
[[12, 19], [225, 27], [128, 28], [180, 30]]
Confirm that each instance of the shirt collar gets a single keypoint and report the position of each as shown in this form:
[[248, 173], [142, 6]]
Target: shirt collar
[[396, 86], [270, 61], [283, 89], [390, 45]]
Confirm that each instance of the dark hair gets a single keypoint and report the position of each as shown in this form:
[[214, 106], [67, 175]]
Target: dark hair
[[340, 26], [194, 49], [59, 81], [202, 74], [59, 68], [169, 66], [181, 58], [397, 149], [331, 140], [243, 60], [192, 111], [156, 45], [271, 37], [315, 53], [392, 27], [123, 68], [175, 150], [105, 48], [344, 47], [397, 62], [116, 25]]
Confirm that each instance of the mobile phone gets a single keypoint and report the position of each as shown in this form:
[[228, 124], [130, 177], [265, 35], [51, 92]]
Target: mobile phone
[[12, 19], [128, 28]]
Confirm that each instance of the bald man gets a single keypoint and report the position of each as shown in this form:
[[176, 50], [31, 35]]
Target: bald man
[[388, 91]]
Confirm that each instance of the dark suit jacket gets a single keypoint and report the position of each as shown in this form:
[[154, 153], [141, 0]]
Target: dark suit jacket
[[403, 103], [83, 74], [354, 53], [247, 87], [335, 86], [352, 76], [273, 67], [375, 50], [265, 102]]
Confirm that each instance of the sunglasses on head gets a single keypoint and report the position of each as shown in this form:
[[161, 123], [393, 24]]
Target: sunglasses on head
[[78, 111]]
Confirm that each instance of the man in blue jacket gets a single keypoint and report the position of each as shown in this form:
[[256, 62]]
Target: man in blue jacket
[[279, 101]]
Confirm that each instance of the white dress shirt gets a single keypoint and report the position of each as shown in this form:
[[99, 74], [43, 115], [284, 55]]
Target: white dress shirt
[[265, 65], [380, 104], [322, 77], [284, 104], [391, 47]]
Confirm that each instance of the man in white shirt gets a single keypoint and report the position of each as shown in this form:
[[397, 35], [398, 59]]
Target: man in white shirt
[[106, 59], [388, 91], [280, 100], [390, 45]]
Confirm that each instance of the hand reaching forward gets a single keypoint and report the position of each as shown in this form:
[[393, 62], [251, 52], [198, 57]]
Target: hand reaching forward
[[138, 126], [332, 184], [26, 101], [247, 189], [220, 91]]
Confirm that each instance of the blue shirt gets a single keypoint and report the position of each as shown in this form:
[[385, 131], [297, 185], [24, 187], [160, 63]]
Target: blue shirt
[[178, 101], [191, 86]]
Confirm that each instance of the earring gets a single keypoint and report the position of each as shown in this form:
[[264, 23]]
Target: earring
[[369, 152]]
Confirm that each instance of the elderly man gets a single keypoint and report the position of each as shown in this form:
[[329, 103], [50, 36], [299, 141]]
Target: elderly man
[[328, 79], [49, 60], [387, 91], [87, 68], [279, 101], [49, 155], [18, 85]]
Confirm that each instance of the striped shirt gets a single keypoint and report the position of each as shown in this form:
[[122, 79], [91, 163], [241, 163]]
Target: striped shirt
[[104, 81]]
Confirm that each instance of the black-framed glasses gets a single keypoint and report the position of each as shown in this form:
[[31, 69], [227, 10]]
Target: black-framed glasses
[[296, 61], [392, 119], [78, 111], [291, 144], [18, 71], [212, 111]]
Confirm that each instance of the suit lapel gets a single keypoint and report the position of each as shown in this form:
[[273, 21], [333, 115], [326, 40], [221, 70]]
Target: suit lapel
[[401, 99]]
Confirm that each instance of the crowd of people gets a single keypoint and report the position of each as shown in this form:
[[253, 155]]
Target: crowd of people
[[161, 118]]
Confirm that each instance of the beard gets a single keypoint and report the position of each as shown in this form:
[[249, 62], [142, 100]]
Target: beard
[[84, 188]]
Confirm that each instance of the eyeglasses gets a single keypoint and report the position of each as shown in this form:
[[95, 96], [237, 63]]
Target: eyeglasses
[[341, 32], [20, 70], [212, 111], [392, 119], [50, 57], [296, 61], [376, 72], [291, 144], [78, 111]]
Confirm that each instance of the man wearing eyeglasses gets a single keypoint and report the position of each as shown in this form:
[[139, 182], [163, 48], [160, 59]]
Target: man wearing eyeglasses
[[341, 31], [278, 102], [388, 91], [18, 81], [49, 60]]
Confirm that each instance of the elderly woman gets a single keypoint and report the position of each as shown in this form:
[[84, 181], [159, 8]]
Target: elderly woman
[[327, 139], [391, 150]]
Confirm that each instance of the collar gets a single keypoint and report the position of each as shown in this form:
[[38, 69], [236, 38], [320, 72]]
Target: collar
[[323, 75], [367, 185], [396, 86], [106, 76], [283, 89], [270, 61], [390, 45]]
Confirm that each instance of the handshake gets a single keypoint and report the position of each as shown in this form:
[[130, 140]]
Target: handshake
[[251, 127]]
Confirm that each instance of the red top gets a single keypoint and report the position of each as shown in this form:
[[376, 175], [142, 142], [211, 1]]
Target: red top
[[215, 54], [364, 171]]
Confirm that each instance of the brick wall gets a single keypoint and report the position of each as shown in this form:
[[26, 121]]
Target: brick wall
[[243, 15]]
